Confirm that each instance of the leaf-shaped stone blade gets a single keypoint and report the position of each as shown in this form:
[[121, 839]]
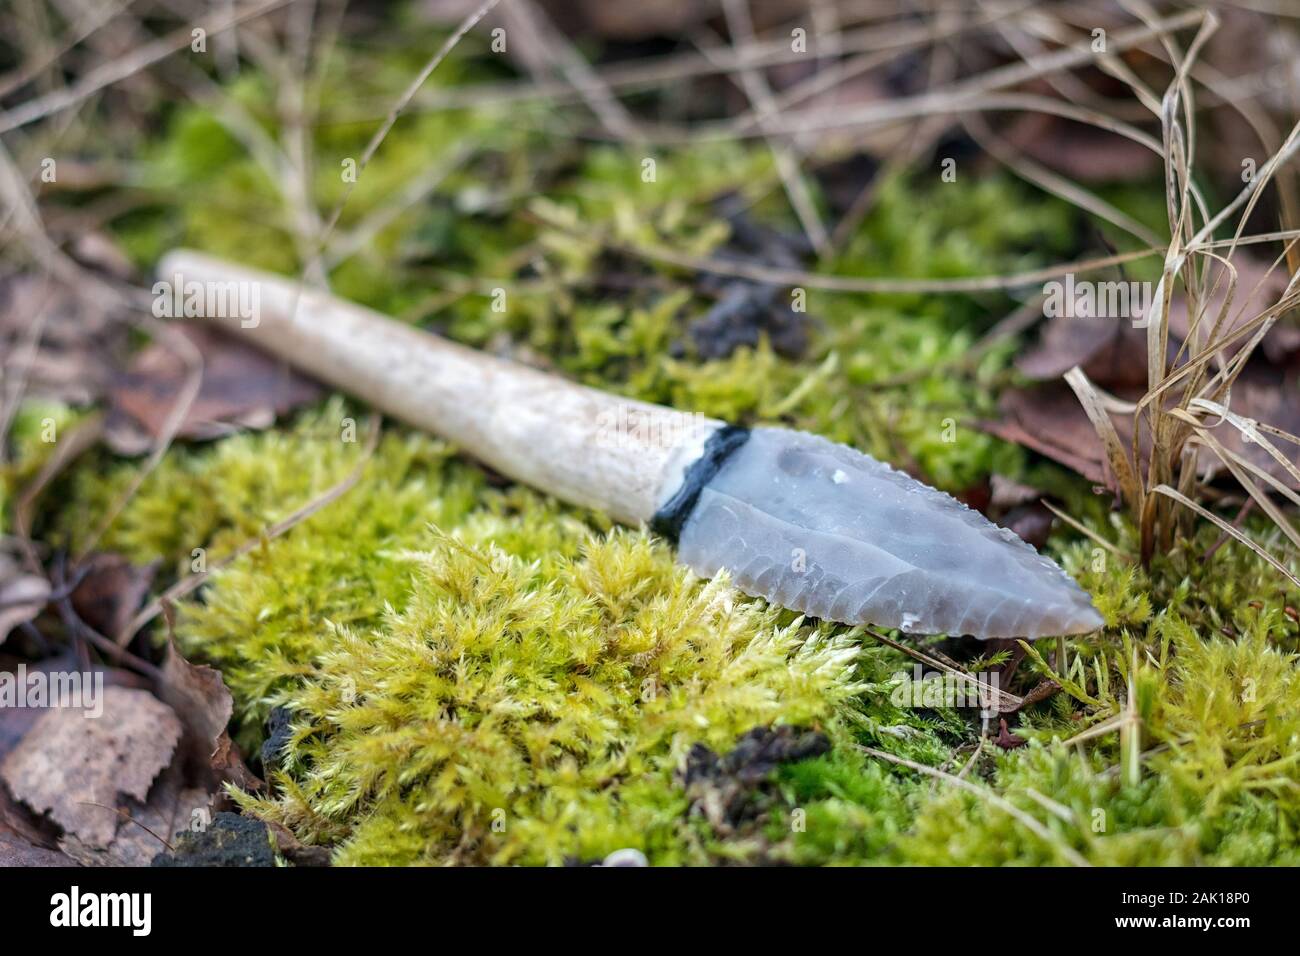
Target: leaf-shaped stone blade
[[826, 530]]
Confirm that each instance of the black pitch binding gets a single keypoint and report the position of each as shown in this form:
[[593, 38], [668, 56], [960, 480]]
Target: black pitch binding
[[669, 519]]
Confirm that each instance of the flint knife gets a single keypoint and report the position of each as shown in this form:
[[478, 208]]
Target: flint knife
[[803, 522]]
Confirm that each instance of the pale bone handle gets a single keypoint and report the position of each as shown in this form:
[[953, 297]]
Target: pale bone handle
[[571, 441]]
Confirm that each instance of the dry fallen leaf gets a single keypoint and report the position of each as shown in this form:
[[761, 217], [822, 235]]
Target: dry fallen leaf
[[111, 591], [22, 596], [241, 388], [72, 361], [149, 829], [1112, 353], [198, 696], [22, 841], [1048, 419], [295, 851], [74, 767], [17, 852], [187, 795]]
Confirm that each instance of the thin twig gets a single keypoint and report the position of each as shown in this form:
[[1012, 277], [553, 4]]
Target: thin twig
[[1007, 702], [984, 793], [116, 70]]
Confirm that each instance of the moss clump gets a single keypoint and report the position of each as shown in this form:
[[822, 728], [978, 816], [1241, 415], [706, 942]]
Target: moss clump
[[1216, 688], [265, 615], [33, 437], [509, 715]]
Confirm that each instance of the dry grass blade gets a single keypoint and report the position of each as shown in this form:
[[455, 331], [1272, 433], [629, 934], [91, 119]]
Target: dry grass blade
[[957, 98], [755, 85], [1227, 529], [1006, 701], [345, 245], [1252, 431], [1107, 726], [91, 20], [1239, 468], [1087, 532], [1129, 486], [586, 81], [1052, 182], [372, 146]]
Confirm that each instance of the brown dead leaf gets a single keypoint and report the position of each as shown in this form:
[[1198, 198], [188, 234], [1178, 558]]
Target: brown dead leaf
[[73, 361], [22, 596], [16, 720], [72, 765], [19, 826], [199, 697], [111, 591], [1040, 692], [295, 851], [1006, 739], [187, 796], [1111, 352], [18, 852], [149, 829], [1048, 419], [242, 387]]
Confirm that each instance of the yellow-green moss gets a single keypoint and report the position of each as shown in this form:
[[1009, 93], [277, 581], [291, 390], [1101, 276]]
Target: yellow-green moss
[[34, 434], [511, 715]]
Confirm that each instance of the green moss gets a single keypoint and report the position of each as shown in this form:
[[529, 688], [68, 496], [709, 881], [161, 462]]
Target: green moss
[[37, 427], [510, 715]]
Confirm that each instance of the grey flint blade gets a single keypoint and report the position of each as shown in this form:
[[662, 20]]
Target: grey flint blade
[[823, 529]]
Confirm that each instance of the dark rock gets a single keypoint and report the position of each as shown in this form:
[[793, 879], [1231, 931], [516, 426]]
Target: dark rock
[[733, 789], [744, 313], [277, 737], [747, 309], [230, 840]]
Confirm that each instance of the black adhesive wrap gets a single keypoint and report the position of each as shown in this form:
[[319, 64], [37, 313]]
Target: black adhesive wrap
[[669, 519]]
